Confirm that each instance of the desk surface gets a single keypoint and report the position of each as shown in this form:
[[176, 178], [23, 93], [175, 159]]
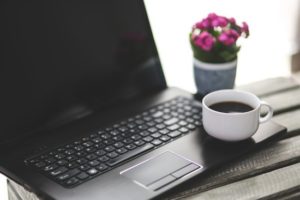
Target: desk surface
[[272, 172]]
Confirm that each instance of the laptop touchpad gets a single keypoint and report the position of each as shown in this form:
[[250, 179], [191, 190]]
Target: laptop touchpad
[[160, 170]]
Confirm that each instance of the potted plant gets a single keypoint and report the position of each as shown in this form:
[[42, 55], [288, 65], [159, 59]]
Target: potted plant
[[214, 44]]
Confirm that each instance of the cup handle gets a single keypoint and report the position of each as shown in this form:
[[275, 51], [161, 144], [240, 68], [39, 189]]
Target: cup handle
[[269, 114]]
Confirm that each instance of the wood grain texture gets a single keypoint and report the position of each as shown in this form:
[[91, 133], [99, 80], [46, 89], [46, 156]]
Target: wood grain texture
[[291, 120], [272, 157], [284, 101], [270, 86], [267, 186]]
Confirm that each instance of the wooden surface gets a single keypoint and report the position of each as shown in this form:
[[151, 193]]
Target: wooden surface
[[270, 173]]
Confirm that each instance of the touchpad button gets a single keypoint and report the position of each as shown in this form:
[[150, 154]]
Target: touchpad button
[[158, 170]]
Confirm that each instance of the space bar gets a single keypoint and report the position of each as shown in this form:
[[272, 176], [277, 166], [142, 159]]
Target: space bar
[[130, 154]]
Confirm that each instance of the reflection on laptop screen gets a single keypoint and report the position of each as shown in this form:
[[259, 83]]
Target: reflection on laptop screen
[[57, 56]]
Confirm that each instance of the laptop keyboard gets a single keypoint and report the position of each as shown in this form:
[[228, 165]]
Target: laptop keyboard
[[103, 150]]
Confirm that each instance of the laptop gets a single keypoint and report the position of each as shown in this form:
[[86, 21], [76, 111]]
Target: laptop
[[86, 112]]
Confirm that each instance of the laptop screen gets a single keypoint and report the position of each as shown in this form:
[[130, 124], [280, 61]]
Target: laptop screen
[[64, 59]]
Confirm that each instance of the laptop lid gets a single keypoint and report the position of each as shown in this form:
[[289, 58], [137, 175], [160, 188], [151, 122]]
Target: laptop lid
[[62, 60]]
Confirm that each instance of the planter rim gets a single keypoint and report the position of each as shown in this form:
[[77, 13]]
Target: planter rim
[[215, 66]]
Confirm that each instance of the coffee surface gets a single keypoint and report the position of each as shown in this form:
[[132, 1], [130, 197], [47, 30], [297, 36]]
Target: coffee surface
[[231, 107]]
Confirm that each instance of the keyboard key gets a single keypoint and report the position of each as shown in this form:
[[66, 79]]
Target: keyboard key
[[174, 134], [156, 142], [99, 146], [139, 122], [166, 117], [32, 161], [182, 123], [160, 126], [191, 126], [159, 120], [130, 146], [82, 176], [81, 161], [114, 132], [156, 135], [164, 138], [93, 135], [197, 123], [59, 156], [128, 141], [81, 153], [69, 152], [68, 174], [152, 130], [136, 137], [92, 171], [94, 163], [109, 148], [50, 167], [103, 159], [40, 164], [108, 142], [144, 133], [157, 114], [50, 160], [121, 150], [100, 153], [173, 127], [71, 158], [147, 118], [150, 124], [72, 165], [91, 157], [139, 143], [112, 154], [78, 147], [72, 181], [84, 167], [123, 129], [58, 171], [102, 167], [97, 140], [148, 139], [164, 131], [183, 130], [90, 149], [62, 162], [118, 144], [117, 138], [105, 136], [131, 125]]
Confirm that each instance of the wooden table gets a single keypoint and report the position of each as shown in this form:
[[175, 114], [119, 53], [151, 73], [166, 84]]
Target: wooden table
[[272, 172]]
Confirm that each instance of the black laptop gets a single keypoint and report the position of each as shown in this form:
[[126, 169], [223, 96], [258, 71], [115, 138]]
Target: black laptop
[[85, 109]]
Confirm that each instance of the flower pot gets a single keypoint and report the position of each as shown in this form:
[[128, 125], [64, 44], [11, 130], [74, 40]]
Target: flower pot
[[210, 77]]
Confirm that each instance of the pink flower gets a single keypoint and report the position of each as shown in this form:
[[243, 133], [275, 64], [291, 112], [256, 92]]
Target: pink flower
[[228, 37], [204, 24], [232, 20], [212, 16], [245, 28], [219, 21], [205, 41]]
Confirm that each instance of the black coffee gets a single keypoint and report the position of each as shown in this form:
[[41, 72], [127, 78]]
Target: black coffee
[[231, 107]]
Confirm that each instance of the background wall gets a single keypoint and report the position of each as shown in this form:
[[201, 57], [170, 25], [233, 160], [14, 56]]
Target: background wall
[[266, 53]]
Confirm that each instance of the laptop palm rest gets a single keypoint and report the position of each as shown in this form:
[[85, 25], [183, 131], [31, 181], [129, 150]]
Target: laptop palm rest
[[160, 170]]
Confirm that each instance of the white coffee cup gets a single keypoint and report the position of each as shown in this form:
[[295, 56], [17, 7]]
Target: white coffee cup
[[233, 126]]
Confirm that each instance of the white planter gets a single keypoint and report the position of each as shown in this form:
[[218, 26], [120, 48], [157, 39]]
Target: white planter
[[210, 77]]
